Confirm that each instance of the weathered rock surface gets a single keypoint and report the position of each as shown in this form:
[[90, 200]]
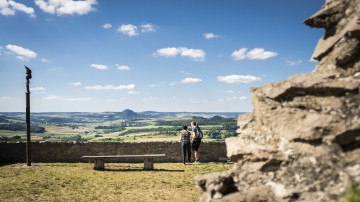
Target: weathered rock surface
[[302, 140]]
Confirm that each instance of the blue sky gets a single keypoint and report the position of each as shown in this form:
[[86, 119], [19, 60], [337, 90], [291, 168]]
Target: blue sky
[[160, 55]]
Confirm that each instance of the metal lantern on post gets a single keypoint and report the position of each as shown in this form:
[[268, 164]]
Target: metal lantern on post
[[27, 93]]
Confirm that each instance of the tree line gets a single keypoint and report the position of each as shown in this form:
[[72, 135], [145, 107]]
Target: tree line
[[21, 127]]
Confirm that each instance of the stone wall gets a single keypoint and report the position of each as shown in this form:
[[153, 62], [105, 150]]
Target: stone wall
[[71, 152], [302, 140]]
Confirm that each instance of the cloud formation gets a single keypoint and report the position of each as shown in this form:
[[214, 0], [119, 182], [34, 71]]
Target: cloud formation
[[293, 63], [75, 84], [111, 87], [132, 30], [129, 29], [154, 85], [133, 92], [122, 67], [66, 7], [37, 89], [107, 26], [148, 28], [239, 54], [98, 66], [67, 99], [254, 54], [194, 54], [210, 36], [10, 7], [229, 99], [238, 79], [190, 80], [20, 52]]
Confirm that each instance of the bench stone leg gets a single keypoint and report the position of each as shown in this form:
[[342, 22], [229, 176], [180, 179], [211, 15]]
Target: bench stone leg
[[148, 163], [99, 164]]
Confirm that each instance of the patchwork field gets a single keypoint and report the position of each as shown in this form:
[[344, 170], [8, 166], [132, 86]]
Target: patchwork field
[[114, 127]]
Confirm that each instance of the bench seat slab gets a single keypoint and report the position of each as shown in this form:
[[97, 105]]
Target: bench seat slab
[[99, 161]]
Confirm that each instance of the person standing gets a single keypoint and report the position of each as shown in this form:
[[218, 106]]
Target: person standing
[[185, 138], [196, 140]]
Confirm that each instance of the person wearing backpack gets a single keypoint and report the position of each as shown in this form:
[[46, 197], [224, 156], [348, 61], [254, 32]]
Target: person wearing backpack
[[196, 140], [185, 137]]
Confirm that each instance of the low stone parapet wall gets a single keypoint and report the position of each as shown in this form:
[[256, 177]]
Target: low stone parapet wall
[[71, 152]]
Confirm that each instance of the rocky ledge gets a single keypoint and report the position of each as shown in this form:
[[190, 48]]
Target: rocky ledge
[[302, 140]]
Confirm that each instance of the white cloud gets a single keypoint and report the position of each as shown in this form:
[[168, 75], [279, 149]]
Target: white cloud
[[22, 53], [98, 66], [44, 60], [230, 99], [238, 79], [9, 8], [67, 99], [154, 85], [122, 67], [191, 80], [111, 87], [75, 84], [194, 54], [167, 52], [186, 73], [210, 36], [37, 89], [148, 28], [78, 99], [293, 63], [254, 54], [52, 97], [107, 26], [5, 98], [239, 54], [133, 92], [66, 7], [174, 83], [260, 54], [130, 30]]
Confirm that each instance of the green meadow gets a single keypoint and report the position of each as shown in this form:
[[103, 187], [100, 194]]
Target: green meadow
[[119, 182]]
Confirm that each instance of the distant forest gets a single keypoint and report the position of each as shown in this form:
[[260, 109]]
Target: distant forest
[[21, 127]]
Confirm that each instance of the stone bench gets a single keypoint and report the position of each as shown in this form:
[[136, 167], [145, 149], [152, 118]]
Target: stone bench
[[99, 161]]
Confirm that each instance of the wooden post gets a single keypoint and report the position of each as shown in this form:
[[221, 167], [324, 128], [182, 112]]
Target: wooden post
[[28, 140]]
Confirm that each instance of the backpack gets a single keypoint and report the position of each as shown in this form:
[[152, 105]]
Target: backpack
[[199, 134]]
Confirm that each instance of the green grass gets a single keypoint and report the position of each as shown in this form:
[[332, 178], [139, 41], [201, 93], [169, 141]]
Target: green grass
[[353, 195], [119, 182], [9, 133]]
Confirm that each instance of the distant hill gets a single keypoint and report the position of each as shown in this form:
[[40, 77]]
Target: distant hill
[[127, 114], [130, 114], [4, 119], [216, 118]]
